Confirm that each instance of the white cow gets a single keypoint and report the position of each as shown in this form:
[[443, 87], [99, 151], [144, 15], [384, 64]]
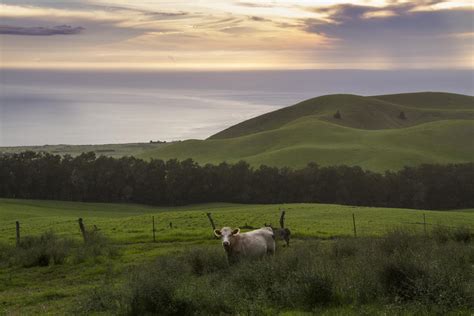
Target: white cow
[[255, 243]]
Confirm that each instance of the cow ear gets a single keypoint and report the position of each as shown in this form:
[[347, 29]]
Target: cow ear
[[236, 231], [217, 232]]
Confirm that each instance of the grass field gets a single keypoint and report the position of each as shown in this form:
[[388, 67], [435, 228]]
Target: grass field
[[132, 223], [54, 289]]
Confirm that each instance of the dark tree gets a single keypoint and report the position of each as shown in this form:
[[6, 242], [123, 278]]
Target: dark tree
[[337, 115], [87, 177], [402, 116]]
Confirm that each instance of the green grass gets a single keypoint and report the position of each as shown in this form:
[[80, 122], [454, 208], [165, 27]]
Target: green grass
[[374, 112], [132, 223], [310, 139], [55, 289]]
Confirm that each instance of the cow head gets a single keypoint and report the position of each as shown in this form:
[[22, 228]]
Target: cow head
[[227, 235]]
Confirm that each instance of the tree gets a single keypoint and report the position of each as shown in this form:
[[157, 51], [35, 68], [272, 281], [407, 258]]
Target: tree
[[402, 116], [337, 115]]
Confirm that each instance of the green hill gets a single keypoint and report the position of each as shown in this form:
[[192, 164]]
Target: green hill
[[369, 134], [377, 112]]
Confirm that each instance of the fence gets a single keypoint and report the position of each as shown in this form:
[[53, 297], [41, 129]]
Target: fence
[[168, 230]]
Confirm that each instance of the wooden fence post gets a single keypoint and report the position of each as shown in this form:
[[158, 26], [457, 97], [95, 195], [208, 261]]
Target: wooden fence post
[[17, 233], [153, 219], [282, 219], [83, 229], [354, 223], [209, 215]]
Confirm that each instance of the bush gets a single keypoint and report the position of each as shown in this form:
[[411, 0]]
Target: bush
[[96, 246], [315, 290], [401, 270], [42, 250], [6, 253], [399, 279], [399, 241], [462, 234], [344, 248], [105, 298], [205, 261]]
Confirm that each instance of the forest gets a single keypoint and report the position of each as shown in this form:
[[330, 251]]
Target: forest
[[90, 178]]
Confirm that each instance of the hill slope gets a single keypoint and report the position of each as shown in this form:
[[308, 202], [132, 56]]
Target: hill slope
[[377, 112], [370, 133]]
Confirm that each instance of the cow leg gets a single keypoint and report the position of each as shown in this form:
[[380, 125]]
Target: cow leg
[[271, 249]]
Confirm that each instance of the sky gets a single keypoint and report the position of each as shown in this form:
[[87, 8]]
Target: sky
[[236, 34]]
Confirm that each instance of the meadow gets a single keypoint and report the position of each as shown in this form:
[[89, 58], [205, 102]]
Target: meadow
[[57, 289]]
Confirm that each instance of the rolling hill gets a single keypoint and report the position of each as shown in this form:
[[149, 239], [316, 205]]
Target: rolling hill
[[439, 128]]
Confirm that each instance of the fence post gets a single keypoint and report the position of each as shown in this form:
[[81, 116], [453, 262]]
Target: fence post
[[83, 229], [153, 219], [17, 233], [424, 222], [211, 220], [282, 219], [354, 223]]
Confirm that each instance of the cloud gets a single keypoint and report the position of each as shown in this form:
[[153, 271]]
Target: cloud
[[259, 19], [347, 21], [255, 5], [394, 34], [40, 31]]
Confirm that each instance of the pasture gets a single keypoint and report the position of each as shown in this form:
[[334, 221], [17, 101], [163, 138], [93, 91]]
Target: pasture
[[56, 289]]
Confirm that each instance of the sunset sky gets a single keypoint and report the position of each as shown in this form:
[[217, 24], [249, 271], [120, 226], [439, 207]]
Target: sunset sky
[[232, 34]]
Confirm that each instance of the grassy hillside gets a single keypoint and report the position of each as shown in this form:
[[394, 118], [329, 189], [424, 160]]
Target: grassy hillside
[[57, 288], [369, 134], [310, 139], [378, 112]]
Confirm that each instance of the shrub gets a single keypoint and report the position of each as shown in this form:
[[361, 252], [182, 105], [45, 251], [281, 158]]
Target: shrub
[[205, 261], [95, 246], [5, 253], [105, 298], [462, 234], [152, 288], [398, 240], [399, 279], [344, 248], [42, 250], [400, 270], [441, 234], [315, 290]]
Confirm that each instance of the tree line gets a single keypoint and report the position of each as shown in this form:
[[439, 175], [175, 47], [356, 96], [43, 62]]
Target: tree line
[[89, 178]]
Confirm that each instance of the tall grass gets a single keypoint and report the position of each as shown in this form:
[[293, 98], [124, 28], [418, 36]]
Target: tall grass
[[401, 270], [50, 249]]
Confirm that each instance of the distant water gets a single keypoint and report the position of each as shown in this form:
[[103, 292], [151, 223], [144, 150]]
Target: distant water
[[85, 107]]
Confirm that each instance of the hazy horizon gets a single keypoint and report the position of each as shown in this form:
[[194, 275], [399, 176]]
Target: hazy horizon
[[98, 107]]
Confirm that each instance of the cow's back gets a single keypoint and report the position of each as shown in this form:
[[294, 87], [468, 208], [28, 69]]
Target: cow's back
[[257, 242]]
